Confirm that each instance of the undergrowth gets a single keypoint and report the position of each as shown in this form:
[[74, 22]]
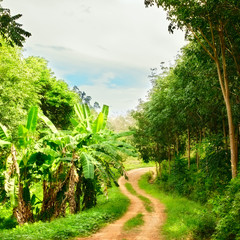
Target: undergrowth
[[81, 225]]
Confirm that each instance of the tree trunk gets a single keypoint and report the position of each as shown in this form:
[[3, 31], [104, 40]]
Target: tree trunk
[[78, 192], [160, 169], [225, 135], [223, 79], [23, 211], [177, 145], [169, 159], [73, 179], [189, 148], [197, 154]]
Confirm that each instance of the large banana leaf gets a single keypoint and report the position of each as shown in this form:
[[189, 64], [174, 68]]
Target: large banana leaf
[[101, 121], [105, 111], [22, 134], [98, 124], [87, 165], [83, 113], [3, 133], [2, 142], [48, 122], [32, 118]]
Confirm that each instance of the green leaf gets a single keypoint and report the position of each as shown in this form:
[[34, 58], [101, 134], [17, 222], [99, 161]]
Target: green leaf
[[48, 122], [3, 133], [105, 111], [98, 124], [22, 134], [13, 193], [32, 119], [83, 113], [74, 122], [33, 199], [2, 142], [124, 134], [87, 165]]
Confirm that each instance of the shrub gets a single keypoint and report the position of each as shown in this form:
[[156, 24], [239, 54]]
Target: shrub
[[227, 209]]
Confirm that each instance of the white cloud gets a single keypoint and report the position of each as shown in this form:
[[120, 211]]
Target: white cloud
[[119, 98], [99, 37]]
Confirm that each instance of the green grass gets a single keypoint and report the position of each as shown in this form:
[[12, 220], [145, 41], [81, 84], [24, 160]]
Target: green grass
[[134, 222], [183, 215], [82, 224], [130, 188], [146, 202]]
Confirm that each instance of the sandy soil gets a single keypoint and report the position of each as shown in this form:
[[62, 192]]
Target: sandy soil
[[152, 221]]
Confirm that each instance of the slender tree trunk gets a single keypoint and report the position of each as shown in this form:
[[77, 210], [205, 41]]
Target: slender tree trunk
[[160, 169], [177, 144], [225, 135], [197, 155], [169, 159], [226, 95], [189, 148], [156, 166], [237, 140]]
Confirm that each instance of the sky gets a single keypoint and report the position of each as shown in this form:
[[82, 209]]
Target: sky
[[105, 47]]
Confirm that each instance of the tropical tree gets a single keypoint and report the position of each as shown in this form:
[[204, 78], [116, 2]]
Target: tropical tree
[[215, 26], [19, 166], [10, 29], [72, 166]]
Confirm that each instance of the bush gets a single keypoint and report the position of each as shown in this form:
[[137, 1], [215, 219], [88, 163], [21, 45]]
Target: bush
[[227, 209], [205, 227], [8, 223]]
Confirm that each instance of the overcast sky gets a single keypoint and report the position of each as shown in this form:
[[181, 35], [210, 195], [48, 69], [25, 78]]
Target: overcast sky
[[105, 47]]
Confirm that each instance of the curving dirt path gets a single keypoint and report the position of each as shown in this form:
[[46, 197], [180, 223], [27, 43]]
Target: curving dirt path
[[152, 220]]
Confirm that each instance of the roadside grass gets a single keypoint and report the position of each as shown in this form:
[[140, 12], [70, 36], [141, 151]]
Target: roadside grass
[[133, 163], [183, 215], [79, 225], [134, 222], [146, 202]]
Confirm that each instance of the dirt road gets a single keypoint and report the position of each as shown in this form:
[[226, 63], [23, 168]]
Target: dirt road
[[152, 220]]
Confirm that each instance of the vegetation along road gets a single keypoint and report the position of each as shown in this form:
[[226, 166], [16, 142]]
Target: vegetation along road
[[151, 209]]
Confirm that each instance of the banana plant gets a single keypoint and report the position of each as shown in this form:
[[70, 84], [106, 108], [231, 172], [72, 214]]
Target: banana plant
[[18, 170], [99, 149]]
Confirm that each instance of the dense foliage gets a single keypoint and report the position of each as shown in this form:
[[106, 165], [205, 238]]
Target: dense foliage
[[214, 25], [57, 155], [190, 123]]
